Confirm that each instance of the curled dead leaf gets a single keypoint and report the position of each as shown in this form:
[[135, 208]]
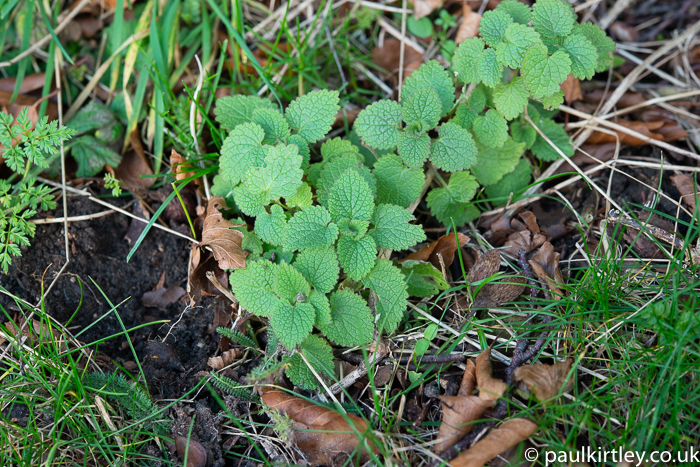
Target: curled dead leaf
[[644, 128], [490, 388], [470, 24], [509, 434], [545, 264], [162, 297], [572, 89], [134, 164], [444, 247], [225, 359], [458, 416], [196, 454], [687, 188], [468, 384], [423, 8], [224, 242], [387, 57], [544, 381], [180, 166], [321, 434]]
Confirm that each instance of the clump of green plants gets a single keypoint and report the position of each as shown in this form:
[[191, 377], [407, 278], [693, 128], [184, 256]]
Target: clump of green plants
[[97, 131], [24, 147]]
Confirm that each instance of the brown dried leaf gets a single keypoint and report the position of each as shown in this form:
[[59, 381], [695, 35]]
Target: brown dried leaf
[[544, 381], [531, 221], [320, 433], [163, 297], [444, 247], [624, 32], [180, 166], [470, 24], [628, 99], [509, 434], [490, 388], [572, 89], [686, 186], [387, 57], [468, 384], [643, 128], [29, 83], [545, 264], [224, 242], [458, 415], [672, 131], [225, 359], [134, 164], [196, 454], [425, 7], [497, 293], [486, 266]]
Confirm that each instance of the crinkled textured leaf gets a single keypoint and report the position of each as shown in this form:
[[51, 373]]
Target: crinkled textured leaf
[[273, 123], [422, 278], [351, 197], [553, 18], [492, 26], [493, 164], [424, 104], [353, 227], [515, 181], [323, 308], [511, 99], [254, 287], [518, 38], [231, 111], [337, 147], [523, 132], [466, 60], [490, 70], [310, 228], [319, 354], [516, 10], [464, 116], [356, 256], [583, 56], [434, 75], [223, 189], [455, 148], [290, 284], [379, 123], [392, 228], [542, 73], [320, 267], [491, 129], [557, 135], [554, 101], [92, 156], [304, 150], [293, 323], [333, 169], [241, 150], [600, 41], [302, 199], [397, 184], [392, 298], [414, 149], [313, 114], [270, 227], [351, 320], [281, 175], [477, 99], [451, 202], [250, 202]]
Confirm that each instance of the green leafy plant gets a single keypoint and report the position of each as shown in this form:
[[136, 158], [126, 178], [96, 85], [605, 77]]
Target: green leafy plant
[[24, 146], [518, 64], [97, 132]]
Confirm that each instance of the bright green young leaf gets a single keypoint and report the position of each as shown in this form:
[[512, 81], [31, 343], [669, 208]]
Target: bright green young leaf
[[490, 70], [319, 355], [273, 123], [270, 227], [292, 323], [493, 164], [555, 132], [250, 202], [351, 197], [392, 299], [392, 228], [466, 60], [353, 227], [422, 278], [231, 111], [281, 175], [516, 10], [320, 268], [351, 320], [378, 124], [356, 256], [600, 41], [491, 129], [425, 105], [304, 150], [310, 228], [513, 182], [397, 184], [422, 27], [523, 132], [431, 74], [583, 56], [332, 170], [302, 199], [554, 101], [553, 18], [414, 149], [464, 116], [455, 148], [542, 73], [518, 38], [254, 287], [337, 147], [312, 114], [241, 150], [477, 99], [323, 308], [493, 25], [290, 284], [511, 99], [451, 201]]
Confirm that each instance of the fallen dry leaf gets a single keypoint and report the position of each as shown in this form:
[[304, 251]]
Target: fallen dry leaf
[[643, 128], [180, 166], [225, 359], [545, 264], [490, 388], [509, 434], [29, 83], [530, 221], [134, 164], [601, 152], [687, 188], [444, 247], [495, 293], [544, 381], [468, 383], [470, 24], [522, 240], [572, 89], [628, 99], [162, 297], [423, 8], [387, 57], [196, 454], [624, 32], [485, 266], [224, 242], [323, 435]]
